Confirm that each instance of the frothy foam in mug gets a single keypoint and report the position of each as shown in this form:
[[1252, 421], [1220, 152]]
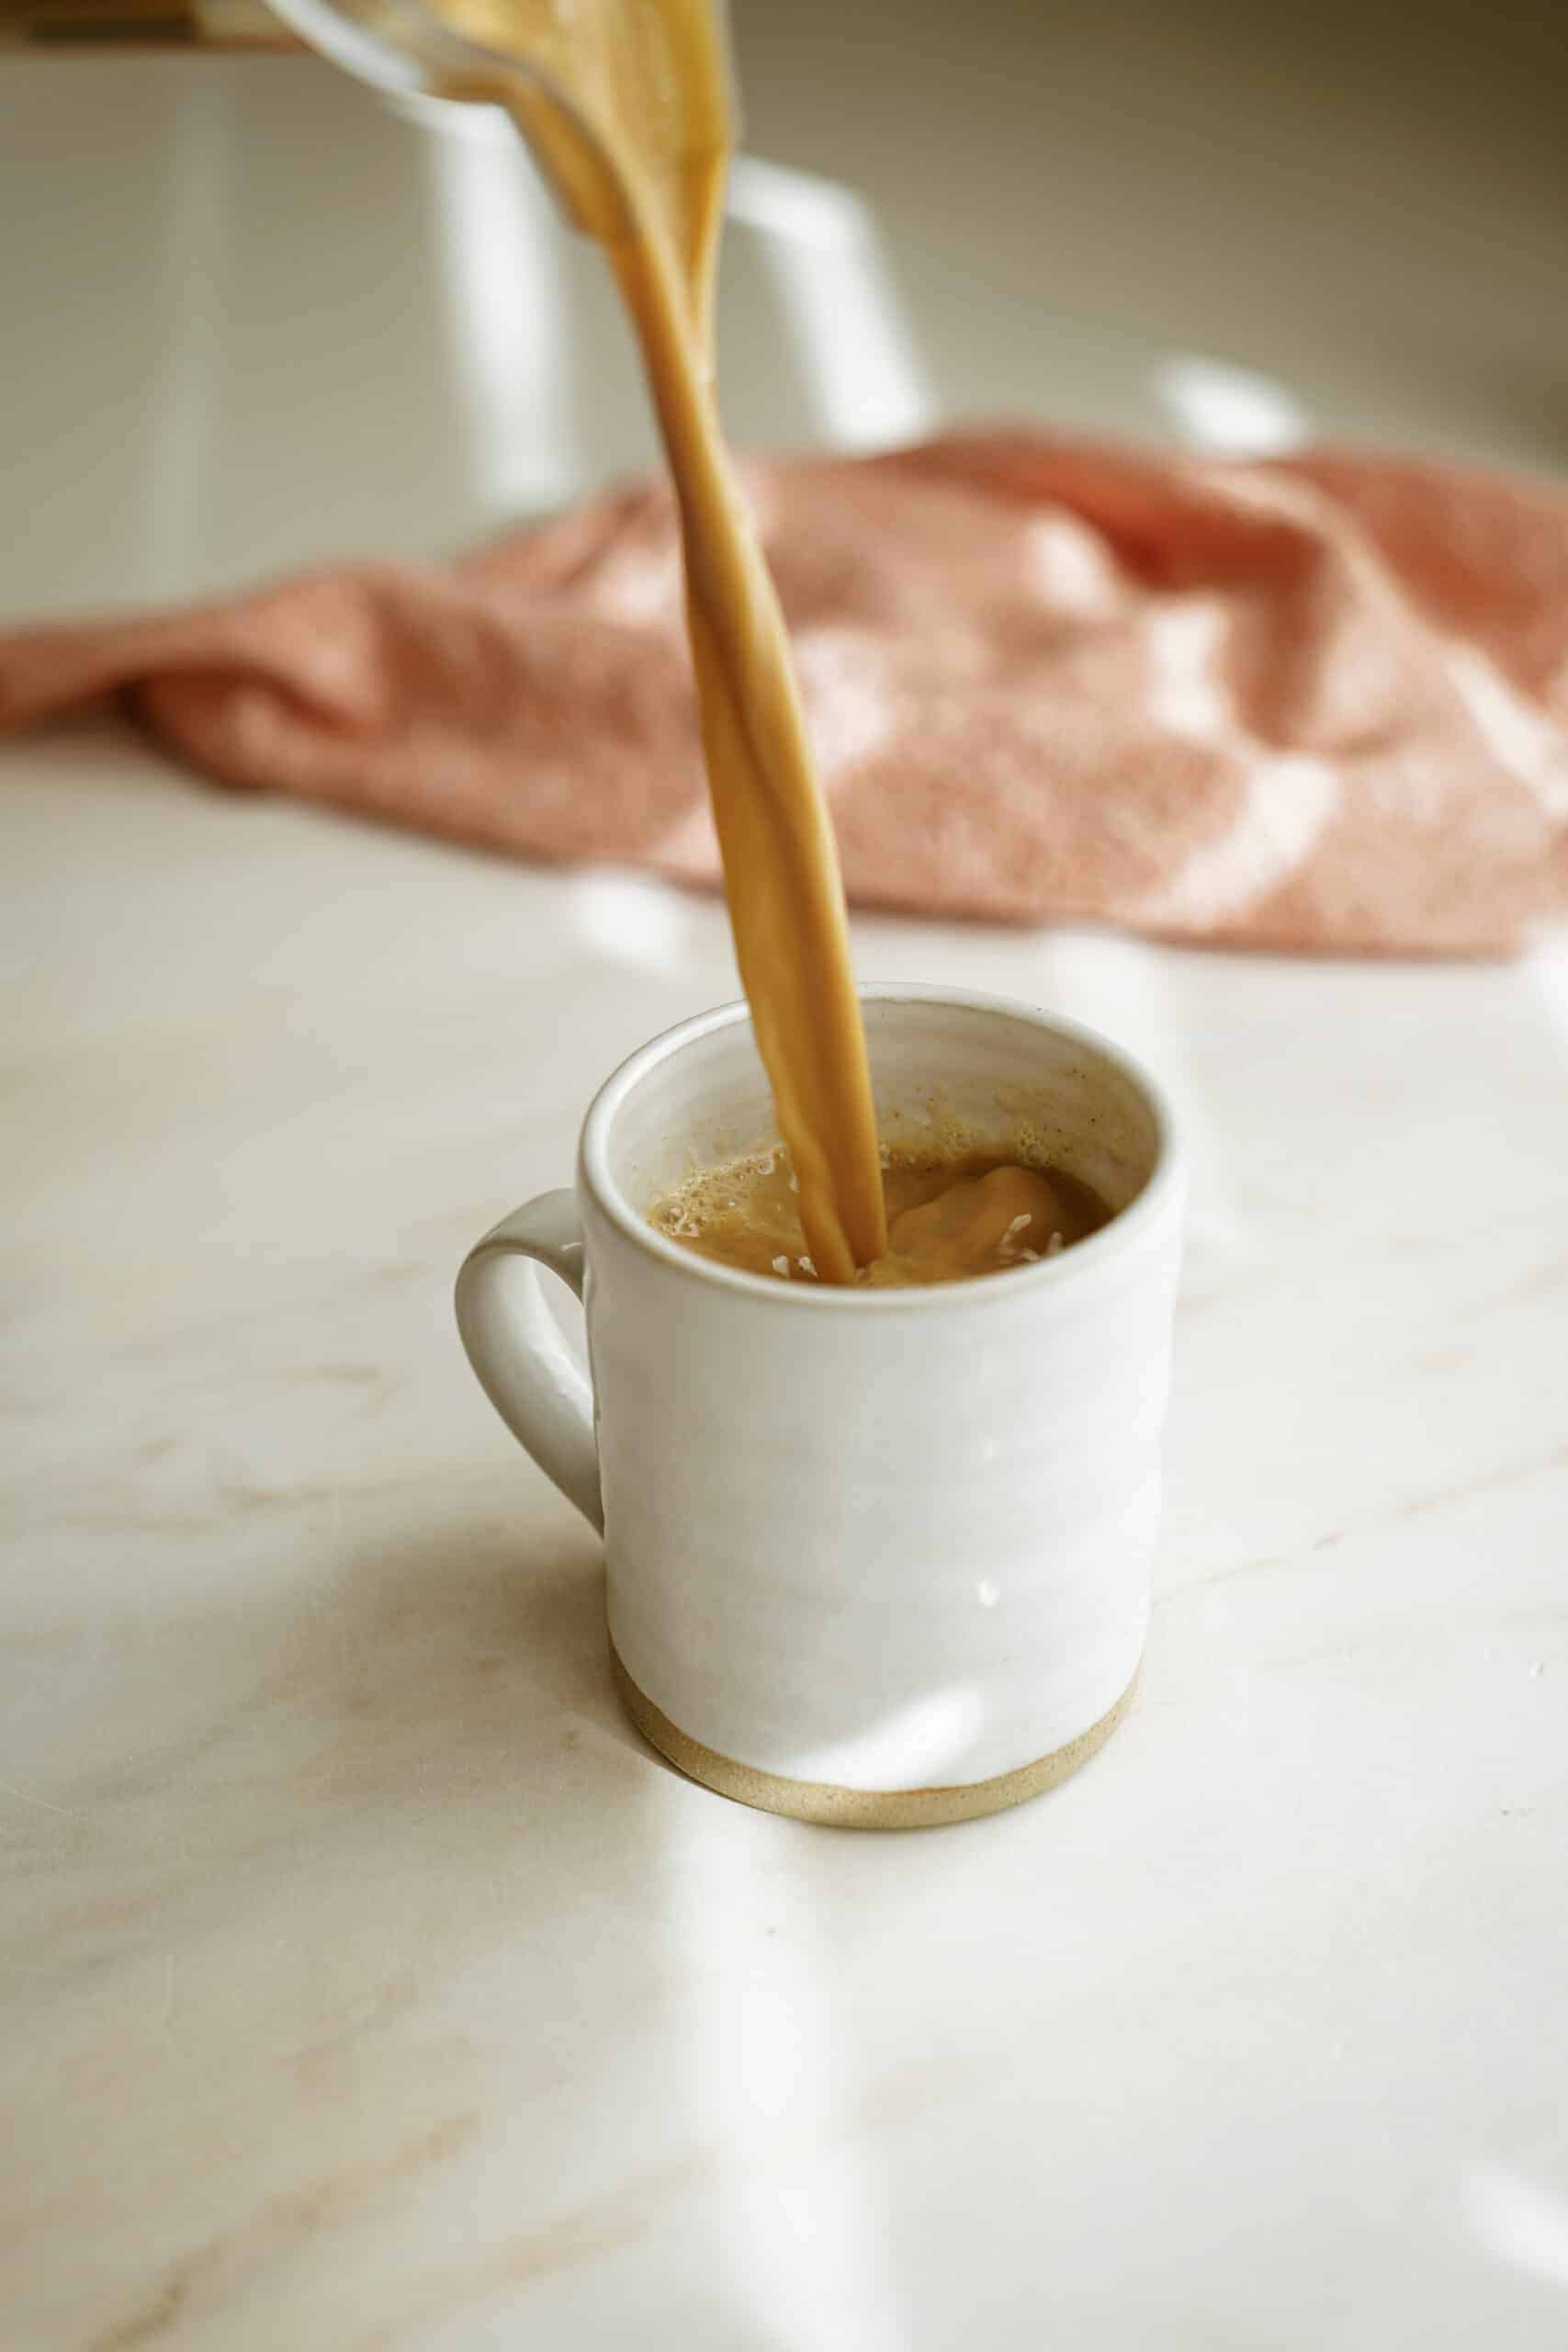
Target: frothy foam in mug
[[949, 1217]]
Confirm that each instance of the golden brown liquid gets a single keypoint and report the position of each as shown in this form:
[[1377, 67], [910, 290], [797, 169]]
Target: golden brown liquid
[[948, 1218], [640, 157], [627, 106]]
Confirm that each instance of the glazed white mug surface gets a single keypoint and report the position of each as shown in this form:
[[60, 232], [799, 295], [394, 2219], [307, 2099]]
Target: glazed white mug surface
[[877, 1558]]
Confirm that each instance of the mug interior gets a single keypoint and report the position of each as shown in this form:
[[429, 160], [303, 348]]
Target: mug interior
[[948, 1072]]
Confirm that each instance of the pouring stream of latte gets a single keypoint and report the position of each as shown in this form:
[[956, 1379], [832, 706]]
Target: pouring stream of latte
[[632, 122]]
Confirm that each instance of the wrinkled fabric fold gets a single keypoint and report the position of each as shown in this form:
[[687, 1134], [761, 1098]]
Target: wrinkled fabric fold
[[1313, 704]]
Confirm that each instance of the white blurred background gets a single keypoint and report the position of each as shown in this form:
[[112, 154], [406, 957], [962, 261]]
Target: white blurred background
[[255, 316]]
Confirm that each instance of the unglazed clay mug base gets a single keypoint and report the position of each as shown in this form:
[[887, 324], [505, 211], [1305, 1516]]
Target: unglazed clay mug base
[[875, 1557]]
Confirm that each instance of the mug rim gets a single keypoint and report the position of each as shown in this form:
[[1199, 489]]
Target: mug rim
[[1083, 1259]]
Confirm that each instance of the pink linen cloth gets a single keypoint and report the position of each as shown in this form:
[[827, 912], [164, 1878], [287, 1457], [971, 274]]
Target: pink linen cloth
[[1317, 703]]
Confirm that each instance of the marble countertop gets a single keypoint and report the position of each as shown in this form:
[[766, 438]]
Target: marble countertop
[[365, 1984]]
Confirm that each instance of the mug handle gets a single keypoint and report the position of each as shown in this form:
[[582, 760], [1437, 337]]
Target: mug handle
[[515, 1346]]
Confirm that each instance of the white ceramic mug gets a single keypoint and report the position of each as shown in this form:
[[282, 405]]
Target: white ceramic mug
[[877, 1558]]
